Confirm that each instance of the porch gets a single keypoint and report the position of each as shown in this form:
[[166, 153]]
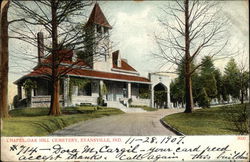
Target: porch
[[114, 93], [36, 92]]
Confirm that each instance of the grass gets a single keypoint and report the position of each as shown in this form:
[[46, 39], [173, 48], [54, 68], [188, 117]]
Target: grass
[[210, 121], [36, 122], [144, 107]]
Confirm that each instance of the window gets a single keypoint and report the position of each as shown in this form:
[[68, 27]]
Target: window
[[103, 52], [85, 91], [106, 31], [99, 29], [144, 91], [125, 91], [74, 90]]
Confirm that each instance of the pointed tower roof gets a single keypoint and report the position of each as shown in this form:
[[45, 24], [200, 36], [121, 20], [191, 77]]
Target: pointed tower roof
[[97, 17]]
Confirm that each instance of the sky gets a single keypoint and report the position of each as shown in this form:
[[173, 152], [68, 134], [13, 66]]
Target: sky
[[134, 23]]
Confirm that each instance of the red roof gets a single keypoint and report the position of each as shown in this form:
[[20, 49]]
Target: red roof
[[65, 56], [44, 69], [124, 64], [89, 73], [98, 74], [97, 17]]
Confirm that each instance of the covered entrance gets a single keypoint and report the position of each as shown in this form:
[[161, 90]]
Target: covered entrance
[[161, 96], [160, 90]]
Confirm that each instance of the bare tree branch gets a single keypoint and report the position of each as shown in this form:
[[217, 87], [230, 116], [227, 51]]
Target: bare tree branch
[[192, 29]]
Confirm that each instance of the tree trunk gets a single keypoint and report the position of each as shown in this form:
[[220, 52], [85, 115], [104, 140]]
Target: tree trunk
[[188, 95], [4, 64], [54, 103], [188, 82]]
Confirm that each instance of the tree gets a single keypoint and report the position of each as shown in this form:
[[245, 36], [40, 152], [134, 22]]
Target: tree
[[60, 20], [243, 81], [207, 77], [204, 100], [160, 98], [207, 65], [196, 86], [176, 92], [177, 87], [219, 84], [231, 79], [193, 29], [4, 59]]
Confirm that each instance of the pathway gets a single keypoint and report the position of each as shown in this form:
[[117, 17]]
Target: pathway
[[128, 124]]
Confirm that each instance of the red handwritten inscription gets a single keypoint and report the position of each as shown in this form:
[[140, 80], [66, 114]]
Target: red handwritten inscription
[[241, 138]]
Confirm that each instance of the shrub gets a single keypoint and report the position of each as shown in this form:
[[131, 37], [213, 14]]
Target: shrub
[[20, 103], [238, 118], [130, 101], [28, 85], [15, 101], [100, 101]]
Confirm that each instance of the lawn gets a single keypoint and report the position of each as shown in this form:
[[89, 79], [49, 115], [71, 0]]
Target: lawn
[[35, 122], [209, 121]]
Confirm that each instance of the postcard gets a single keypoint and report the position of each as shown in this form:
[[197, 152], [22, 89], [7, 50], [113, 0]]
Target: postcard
[[124, 80]]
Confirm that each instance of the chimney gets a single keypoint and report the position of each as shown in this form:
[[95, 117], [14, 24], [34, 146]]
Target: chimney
[[40, 46], [74, 56], [119, 62], [116, 57]]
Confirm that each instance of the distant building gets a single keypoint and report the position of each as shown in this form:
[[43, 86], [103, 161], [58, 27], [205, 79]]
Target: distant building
[[109, 71]]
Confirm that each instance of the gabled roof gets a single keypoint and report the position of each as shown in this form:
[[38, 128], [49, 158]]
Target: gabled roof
[[97, 17], [65, 56], [108, 76], [87, 73], [124, 64], [80, 68]]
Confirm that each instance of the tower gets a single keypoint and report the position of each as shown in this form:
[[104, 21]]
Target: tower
[[98, 27]]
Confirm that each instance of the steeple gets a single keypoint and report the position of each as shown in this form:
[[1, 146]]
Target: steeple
[[97, 17]]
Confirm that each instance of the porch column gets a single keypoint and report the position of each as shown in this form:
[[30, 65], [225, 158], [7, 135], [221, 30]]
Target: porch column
[[168, 94], [23, 93], [101, 86], [152, 96], [19, 91], [31, 97], [32, 92], [129, 90], [66, 97]]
